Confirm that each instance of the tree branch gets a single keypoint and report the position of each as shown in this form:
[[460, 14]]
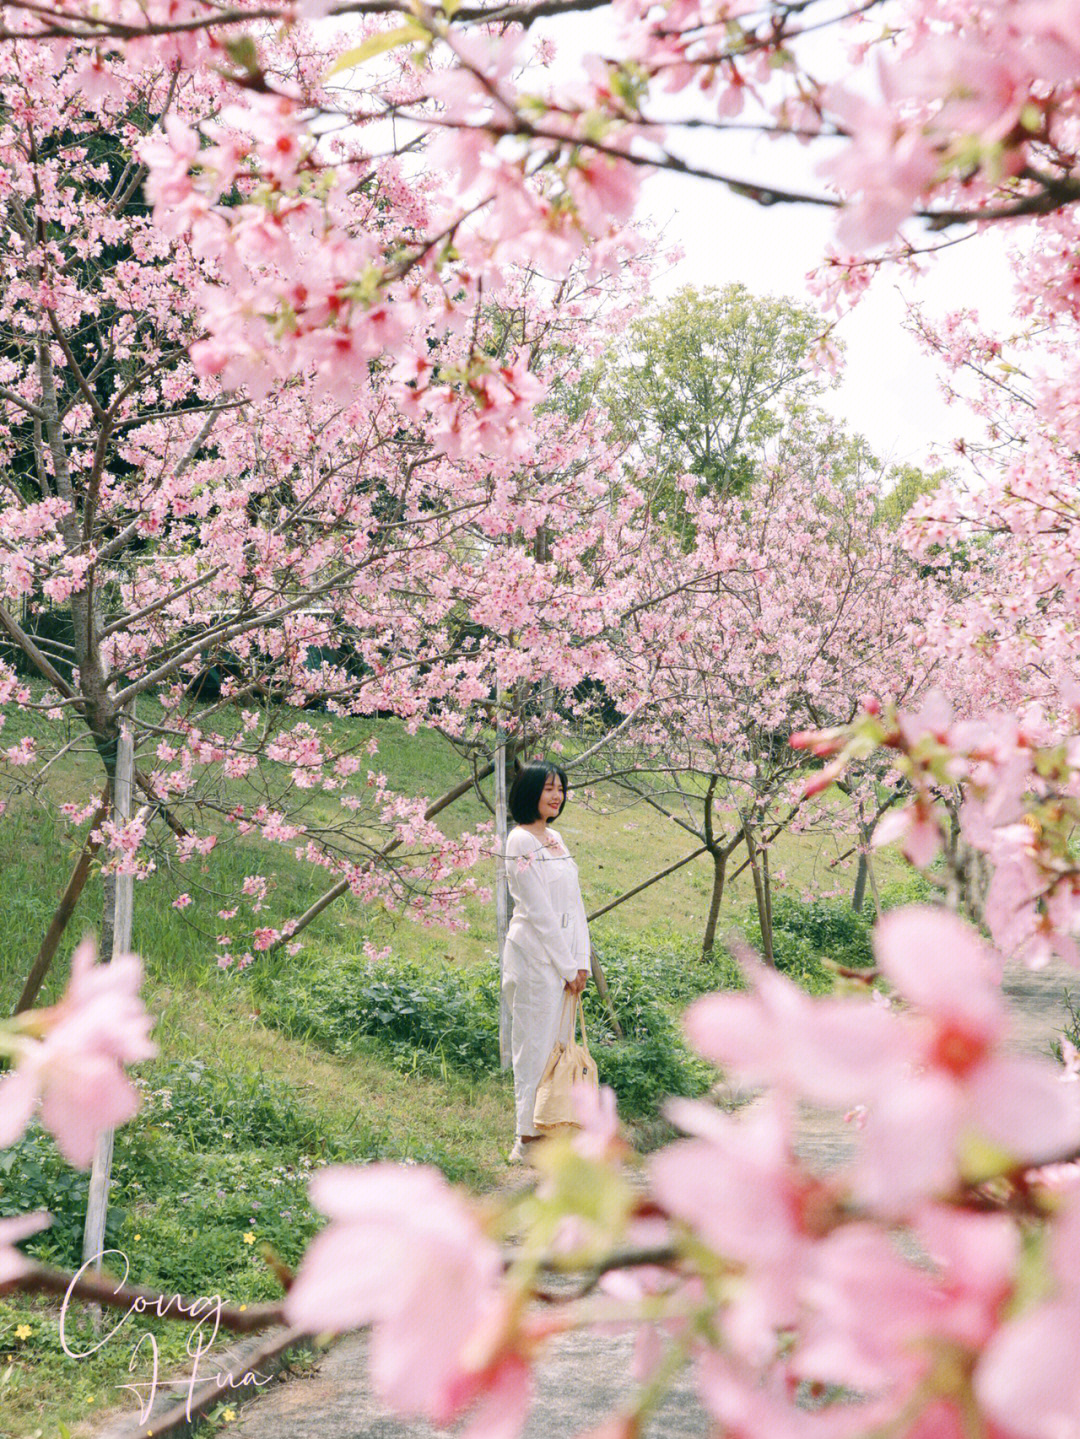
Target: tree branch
[[436, 807], [661, 874], [14, 399]]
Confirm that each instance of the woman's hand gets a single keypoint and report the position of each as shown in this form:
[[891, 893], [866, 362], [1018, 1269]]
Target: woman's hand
[[575, 986]]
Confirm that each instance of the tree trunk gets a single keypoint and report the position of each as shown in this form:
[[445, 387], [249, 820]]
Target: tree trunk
[[64, 910], [766, 885], [873, 886], [858, 897], [708, 943]]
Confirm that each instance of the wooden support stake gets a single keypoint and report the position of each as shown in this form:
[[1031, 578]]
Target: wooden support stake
[[603, 991], [501, 896], [97, 1205]]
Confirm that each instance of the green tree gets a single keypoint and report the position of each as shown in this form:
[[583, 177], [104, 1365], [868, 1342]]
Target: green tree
[[813, 442], [906, 484], [703, 383]]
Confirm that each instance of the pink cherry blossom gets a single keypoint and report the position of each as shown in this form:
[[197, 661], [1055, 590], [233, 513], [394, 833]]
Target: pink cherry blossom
[[405, 1254], [966, 1089], [70, 1058], [877, 1318], [1026, 1379], [835, 1052], [12, 1263], [734, 1183], [598, 1137]]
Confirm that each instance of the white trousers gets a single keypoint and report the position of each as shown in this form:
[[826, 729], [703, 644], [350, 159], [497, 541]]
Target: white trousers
[[534, 991]]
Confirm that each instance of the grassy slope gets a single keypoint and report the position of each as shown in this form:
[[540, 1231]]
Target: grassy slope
[[187, 1185]]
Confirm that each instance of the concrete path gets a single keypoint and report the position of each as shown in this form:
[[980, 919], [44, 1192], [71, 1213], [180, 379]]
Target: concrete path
[[579, 1385]]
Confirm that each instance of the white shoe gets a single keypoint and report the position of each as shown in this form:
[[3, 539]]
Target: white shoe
[[519, 1154]]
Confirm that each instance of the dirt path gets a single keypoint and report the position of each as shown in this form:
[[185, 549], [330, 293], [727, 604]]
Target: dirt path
[[583, 1376]]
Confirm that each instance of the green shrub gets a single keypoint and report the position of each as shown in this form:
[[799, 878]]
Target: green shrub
[[1070, 1030], [644, 1072], [191, 1231], [210, 1108], [796, 957], [662, 969], [831, 927], [807, 933], [448, 1019], [650, 983], [441, 1013], [34, 1175], [914, 888]]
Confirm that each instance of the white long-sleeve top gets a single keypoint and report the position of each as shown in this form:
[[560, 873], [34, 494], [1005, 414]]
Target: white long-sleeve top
[[549, 913]]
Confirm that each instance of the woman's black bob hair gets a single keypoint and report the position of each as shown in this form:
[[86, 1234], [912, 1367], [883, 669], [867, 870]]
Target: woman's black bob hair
[[528, 786]]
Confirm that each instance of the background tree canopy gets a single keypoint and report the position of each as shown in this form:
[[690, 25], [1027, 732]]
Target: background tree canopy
[[702, 383]]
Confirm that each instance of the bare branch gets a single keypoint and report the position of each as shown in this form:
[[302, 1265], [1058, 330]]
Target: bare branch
[[101, 1288], [653, 878]]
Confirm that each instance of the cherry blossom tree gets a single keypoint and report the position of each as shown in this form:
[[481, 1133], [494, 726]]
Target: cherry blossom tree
[[223, 560], [176, 526], [794, 602], [990, 756]]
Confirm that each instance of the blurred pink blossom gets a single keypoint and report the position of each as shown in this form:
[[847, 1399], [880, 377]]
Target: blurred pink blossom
[[71, 1057], [404, 1252], [12, 1263]]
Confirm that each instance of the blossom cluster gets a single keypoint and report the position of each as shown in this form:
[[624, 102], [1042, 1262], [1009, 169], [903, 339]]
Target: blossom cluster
[[1013, 786]]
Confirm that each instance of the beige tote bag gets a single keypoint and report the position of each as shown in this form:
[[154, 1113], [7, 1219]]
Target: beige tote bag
[[569, 1063]]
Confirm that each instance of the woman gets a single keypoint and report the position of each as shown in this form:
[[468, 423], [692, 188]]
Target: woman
[[547, 942]]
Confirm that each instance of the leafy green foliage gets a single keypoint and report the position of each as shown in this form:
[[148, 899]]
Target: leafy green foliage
[[1071, 1031], [643, 1072], [700, 384], [665, 968], [807, 933], [439, 1014], [797, 958], [34, 1175], [442, 1019], [913, 888], [650, 983], [907, 483], [830, 927], [191, 1213], [202, 1104]]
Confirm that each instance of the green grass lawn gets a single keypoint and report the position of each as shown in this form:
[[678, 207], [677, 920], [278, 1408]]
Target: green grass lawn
[[265, 1074]]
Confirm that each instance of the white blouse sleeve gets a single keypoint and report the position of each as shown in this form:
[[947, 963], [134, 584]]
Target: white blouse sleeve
[[532, 903]]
